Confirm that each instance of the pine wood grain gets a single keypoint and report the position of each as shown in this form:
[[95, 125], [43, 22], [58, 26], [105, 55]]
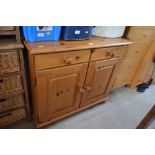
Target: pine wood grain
[[95, 42]]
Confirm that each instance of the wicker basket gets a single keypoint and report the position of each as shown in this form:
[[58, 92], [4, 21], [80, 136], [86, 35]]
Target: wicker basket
[[11, 102], [10, 84], [109, 31], [9, 61], [12, 117]]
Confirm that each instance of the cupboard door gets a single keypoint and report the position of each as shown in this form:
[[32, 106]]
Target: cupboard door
[[123, 77], [135, 53], [59, 90], [99, 81], [144, 69], [146, 74]]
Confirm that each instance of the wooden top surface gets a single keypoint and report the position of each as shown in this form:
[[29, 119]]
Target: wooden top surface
[[142, 27], [7, 44], [62, 45]]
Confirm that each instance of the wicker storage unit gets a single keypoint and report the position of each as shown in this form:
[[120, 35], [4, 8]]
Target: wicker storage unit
[[9, 61], [10, 84], [9, 103], [7, 28], [12, 117], [14, 103]]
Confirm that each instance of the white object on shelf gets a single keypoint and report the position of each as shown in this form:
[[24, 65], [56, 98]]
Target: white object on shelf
[[109, 31]]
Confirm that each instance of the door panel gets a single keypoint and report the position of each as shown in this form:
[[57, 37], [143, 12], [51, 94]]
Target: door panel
[[142, 69], [134, 56], [99, 80], [59, 90]]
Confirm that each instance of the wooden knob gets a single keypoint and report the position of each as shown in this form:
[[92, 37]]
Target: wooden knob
[[68, 60], [82, 90], [136, 52], [112, 54], [88, 88], [108, 53]]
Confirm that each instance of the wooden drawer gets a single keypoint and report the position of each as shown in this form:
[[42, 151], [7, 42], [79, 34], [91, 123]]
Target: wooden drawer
[[12, 117], [10, 84], [106, 53], [143, 35], [61, 59], [137, 50], [9, 61], [11, 102]]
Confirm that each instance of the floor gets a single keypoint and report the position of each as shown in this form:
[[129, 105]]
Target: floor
[[124, 110]]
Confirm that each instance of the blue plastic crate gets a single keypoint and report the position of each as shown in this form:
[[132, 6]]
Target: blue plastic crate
[[41, 33], [76, 32]]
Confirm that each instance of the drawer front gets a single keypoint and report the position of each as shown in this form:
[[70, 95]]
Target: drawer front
[[12, 117], [9, 103], [143, 35], [106, 53], [61, 59], [9, 61], [137, 50], [10, 84]]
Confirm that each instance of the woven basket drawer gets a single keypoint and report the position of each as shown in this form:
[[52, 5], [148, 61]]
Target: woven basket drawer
[[9, 61], [10, 84], [12, 117], [12, 102]]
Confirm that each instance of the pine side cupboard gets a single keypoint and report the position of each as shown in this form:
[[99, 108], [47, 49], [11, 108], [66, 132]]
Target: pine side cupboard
[[70, 76], [139, 57]]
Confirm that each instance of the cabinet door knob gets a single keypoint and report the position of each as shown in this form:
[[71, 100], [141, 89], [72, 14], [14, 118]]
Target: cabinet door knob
[[88, 88], [82, 90], [68, 60]]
